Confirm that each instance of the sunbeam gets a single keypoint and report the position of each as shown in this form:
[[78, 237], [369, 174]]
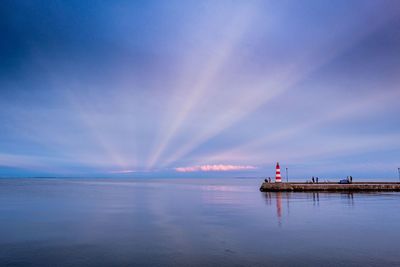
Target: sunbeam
[[203, 82], [246, 100], [130, 89]]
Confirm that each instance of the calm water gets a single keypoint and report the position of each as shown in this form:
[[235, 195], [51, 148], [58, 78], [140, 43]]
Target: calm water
[[224, 222]]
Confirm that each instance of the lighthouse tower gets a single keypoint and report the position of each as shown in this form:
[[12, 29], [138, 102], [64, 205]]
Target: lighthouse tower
[[278, 174]]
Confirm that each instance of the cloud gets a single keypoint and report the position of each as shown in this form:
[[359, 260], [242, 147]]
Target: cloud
[[215, 168], [123, 171]]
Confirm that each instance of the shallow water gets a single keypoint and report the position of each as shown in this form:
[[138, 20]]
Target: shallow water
[[196, 222]]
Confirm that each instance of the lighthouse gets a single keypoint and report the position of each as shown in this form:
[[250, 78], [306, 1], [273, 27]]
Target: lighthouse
[[278, 174]]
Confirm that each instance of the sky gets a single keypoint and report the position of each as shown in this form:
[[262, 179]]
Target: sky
[[199, 88]]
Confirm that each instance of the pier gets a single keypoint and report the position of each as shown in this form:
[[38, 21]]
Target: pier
[[352, 187]]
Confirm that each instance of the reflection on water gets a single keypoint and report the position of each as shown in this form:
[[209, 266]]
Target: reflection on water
[[223, 222], [277, 198]]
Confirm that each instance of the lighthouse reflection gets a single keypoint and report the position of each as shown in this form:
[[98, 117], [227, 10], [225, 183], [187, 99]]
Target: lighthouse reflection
[[275, 198], [283, 202]]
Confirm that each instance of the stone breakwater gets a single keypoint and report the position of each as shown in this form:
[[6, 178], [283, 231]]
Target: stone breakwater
[[353, 187]]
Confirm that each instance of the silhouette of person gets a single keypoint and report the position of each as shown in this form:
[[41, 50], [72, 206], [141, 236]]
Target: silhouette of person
[[317, 180], [313, 179]]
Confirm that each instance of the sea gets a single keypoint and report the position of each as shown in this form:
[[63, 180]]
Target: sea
[[192, 222]]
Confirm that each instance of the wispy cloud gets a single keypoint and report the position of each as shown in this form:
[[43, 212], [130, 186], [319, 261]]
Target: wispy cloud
[[215, 168]]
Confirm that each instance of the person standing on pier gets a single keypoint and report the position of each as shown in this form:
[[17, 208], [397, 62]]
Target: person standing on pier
[[351, 179], [316, 179], [313, 179]]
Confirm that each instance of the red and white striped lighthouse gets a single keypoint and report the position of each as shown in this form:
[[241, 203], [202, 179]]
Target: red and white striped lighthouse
[[278, 174]]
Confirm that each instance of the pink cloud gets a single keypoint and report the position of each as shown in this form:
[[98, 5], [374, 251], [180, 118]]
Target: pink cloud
[[215, 168]]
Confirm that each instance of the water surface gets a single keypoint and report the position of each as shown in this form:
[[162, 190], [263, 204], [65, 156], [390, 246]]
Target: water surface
[[192, 222]]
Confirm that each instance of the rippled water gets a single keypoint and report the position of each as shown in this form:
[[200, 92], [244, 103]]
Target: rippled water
[[218, 222]]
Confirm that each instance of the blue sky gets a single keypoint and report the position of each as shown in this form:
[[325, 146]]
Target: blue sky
[[199, 88]]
